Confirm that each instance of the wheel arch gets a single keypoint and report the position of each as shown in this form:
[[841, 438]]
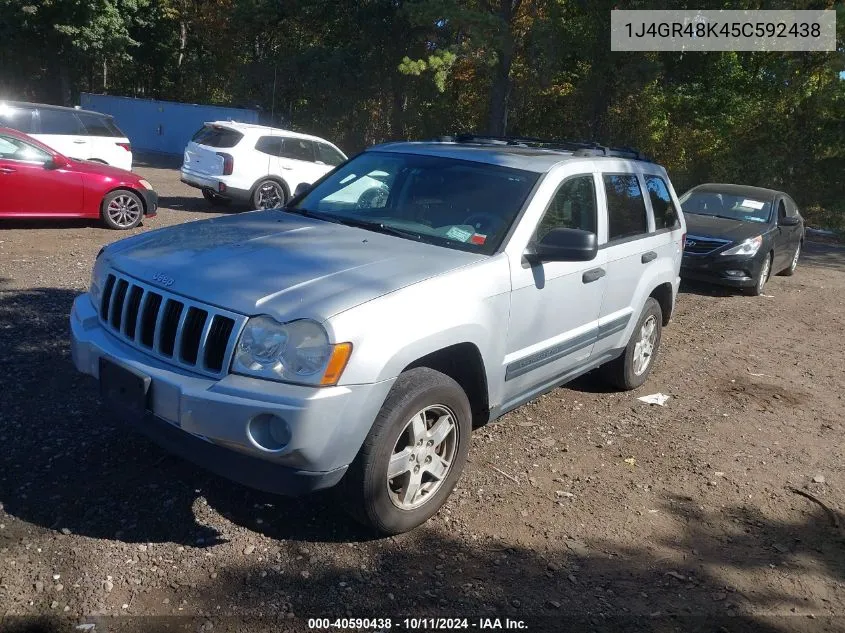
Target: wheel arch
[[464, 364], [663, 294]]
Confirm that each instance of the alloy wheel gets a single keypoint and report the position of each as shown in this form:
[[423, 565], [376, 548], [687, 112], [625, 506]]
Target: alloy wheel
[[124, 210], [422, 457], [270, 196], [644, 348]]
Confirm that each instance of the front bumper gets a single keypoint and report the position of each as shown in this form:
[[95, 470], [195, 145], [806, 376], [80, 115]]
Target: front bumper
[[732, 271], [217, 185], [211, 422], [150, 202]]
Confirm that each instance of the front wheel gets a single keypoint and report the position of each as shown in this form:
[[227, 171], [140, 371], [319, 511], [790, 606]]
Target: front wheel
[[762, 277], [268, 194], [413, 455], [631, 369], [122, 210]]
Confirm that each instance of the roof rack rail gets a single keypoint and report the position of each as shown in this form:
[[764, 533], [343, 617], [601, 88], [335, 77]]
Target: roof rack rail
[[578, 148]]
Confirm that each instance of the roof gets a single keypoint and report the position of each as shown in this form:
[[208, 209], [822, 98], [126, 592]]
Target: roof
[[265, 129], [738, 190], [534, 159], [46, 106]]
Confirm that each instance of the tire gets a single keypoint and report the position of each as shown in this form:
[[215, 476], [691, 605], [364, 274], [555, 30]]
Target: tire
[[763, 276], [626, 372], [382, 503], [122, 210], [269, 194], [788, 272], [214, 198]]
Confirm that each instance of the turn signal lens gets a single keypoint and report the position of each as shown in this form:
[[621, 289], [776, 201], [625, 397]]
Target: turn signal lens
[[337, 363]]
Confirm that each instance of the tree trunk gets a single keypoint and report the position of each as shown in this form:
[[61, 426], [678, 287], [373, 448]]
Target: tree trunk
[[500, 89], [183, 41]]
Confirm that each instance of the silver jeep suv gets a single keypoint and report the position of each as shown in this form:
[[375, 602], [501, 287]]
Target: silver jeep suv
[[357, 336]]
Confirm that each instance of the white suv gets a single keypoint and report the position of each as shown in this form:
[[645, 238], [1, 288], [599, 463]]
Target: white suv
[[255, 165], [80, 134]]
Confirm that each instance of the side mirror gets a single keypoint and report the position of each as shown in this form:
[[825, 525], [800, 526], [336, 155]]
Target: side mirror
[[789, 220], [301, 189], [564, 245], [57, 161]]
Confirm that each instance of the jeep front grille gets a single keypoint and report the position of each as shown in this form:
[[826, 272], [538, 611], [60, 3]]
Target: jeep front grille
[[172, 328]]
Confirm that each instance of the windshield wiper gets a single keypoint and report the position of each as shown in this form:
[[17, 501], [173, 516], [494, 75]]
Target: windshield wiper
[[713, 215], [379, 227]]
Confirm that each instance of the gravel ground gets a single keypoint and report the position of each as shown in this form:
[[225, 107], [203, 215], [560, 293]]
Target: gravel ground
[[582, 510]]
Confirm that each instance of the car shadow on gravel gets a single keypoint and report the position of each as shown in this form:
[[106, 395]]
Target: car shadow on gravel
[[69, 466], [194, 204]]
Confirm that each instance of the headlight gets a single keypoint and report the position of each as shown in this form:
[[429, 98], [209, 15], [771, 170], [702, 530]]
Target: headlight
[[747, 248], [98, 280], [298, 352], [145, 183]]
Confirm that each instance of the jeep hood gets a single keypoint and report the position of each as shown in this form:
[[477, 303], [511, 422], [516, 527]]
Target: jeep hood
[[276, 263]]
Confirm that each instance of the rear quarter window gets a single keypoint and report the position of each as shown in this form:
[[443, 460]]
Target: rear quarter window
[[99, 125], [220, 137]]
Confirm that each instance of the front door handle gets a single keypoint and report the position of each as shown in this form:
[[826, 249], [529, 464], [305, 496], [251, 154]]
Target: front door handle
[[7, 170], [648, 257], [593, 275], [79, 142]]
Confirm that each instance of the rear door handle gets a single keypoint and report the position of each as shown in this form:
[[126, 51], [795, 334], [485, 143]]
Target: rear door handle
[[648, 257], [79, 142], [593, 275], [7, 170]]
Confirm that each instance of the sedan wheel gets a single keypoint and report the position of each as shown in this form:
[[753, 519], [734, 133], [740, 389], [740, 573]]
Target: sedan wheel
[[269, 194], [762, 277], [794, 263], [122, 210]]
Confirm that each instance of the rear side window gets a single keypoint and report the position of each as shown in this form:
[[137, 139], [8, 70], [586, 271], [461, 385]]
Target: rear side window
[[626, 212], [665, 213], [298, 149], [573, 207], [329, 155], [99, 125], [59, 122], [17, 118], [213, 136], [271, 145]]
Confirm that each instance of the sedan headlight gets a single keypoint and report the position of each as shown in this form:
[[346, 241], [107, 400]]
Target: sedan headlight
[[747, 248], [145, 183], [298, 351]]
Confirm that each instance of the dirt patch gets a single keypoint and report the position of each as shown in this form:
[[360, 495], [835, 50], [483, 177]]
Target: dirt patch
[[585, 507]]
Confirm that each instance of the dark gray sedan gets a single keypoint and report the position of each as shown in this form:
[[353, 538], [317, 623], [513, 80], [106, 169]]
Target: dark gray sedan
[[739, 236]]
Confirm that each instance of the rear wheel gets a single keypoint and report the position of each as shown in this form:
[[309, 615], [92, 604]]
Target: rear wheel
[[268, 194], [122, 210], [413, 455], [633, 367], [762, 277]]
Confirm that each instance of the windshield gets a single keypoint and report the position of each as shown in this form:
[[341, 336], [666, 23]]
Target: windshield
[[724, 205], [454, 203]]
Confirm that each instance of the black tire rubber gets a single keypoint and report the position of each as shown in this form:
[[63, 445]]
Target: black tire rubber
[[757, 289], [214, 198], [790, 270], [363, 491], [254, 194], [107, 200], [620, 371]]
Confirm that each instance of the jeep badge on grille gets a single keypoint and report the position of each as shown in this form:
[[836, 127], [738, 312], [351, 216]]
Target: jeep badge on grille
[[163, 279]]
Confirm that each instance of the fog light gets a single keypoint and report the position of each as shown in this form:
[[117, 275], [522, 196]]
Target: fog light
[[735, 273], [268, 432]]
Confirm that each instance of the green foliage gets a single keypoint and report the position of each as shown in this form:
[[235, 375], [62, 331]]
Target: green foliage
[[363, 71]]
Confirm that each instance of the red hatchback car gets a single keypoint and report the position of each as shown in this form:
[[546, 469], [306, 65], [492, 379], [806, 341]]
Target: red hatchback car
[[38, 182]]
